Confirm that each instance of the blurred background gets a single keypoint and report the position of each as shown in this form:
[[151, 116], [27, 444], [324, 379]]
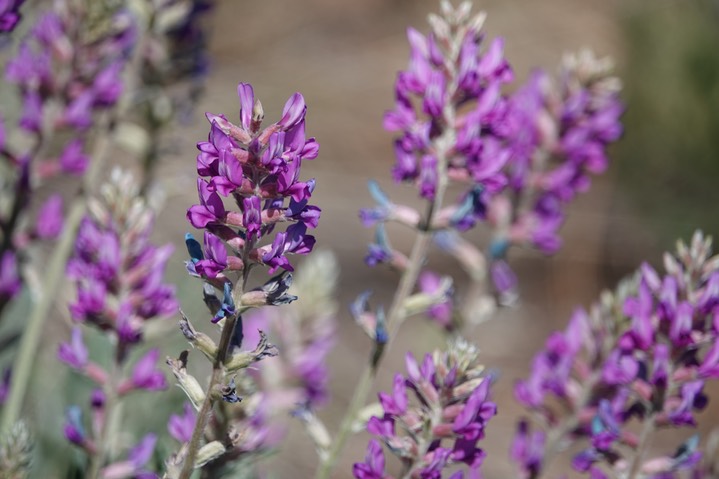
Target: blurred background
[[343, 56]]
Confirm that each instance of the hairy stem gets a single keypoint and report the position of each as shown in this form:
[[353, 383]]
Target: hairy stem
[[218, 370]]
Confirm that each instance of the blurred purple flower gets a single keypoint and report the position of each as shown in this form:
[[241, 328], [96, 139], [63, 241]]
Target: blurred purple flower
[[74, 353], [10, 283], [10, 14], [145, 374], [50, 220], [180, 427]]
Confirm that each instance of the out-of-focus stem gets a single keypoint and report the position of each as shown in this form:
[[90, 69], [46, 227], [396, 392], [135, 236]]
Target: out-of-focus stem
[[557, 433], [644, 437], [111, 410], [55, 275], [359, 397], [395, 316]]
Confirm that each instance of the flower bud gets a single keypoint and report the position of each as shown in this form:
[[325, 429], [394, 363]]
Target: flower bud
[[187, 382], [209, 452]]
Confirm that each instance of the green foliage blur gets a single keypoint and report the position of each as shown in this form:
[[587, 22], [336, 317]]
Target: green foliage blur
[[668, 162]]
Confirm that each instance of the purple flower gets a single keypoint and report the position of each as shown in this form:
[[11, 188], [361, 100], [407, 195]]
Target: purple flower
[[137, 458], [145, 374], [397, 402], [210, 210], [108, 86], [643, 354], [10, 283], [429, 283], [294, 240], [373, 465], [504, 280], [78, 113], [478, 154], [91, 301], [620, 368], [293, 112], [142, 452], [692, 398], [74, 353], [215, 261], [528, 450], [252, 216], [31, 119], [74, 430], [10, 14], [180, 427], [476, 413], [448, 382], [73, 160], [49, 219]]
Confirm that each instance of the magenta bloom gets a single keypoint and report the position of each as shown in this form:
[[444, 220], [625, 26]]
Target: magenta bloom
[[449, 384], [215, 258], [180, 427], [73, 159], [643, 352], [10, 283], [429, 283], [260, 170], [50, 218], [10, 14], [74, 353], [146, 375], [477, 154], [373, 465]]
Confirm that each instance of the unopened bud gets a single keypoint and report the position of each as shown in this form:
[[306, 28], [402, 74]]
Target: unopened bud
[[440, 28], [186, 381], [258, 114], [209, 452], [316, 430]]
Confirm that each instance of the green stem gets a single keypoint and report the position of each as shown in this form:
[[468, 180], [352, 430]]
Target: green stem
[[110, 421], [218, 370], [442, 146]]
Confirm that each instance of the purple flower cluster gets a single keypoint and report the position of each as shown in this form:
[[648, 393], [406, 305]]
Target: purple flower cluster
[[259, 169], [643, 355], [557, 137], [83, 77], [62, 82], [519, 158], [10, 14], [119, 277], [441, 428], [120, 288], [450, 69]]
